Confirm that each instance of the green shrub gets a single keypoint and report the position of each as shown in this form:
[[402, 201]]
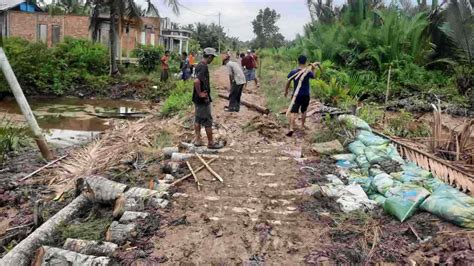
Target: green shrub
[[371, 113], [11, 138], [179, 99], [404, 125], [149, 57]]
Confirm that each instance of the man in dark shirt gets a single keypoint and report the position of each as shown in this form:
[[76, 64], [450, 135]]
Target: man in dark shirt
[[303, 97], [202, 100]]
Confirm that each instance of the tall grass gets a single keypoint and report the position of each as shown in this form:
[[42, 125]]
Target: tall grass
[[179, 99], [11, 137]]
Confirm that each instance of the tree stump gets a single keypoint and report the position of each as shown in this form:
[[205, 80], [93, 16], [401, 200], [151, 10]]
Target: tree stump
[[120, 233], [131, 216]]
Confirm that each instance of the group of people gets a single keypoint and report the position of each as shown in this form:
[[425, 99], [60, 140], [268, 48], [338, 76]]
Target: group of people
[[187, 65], [240, 73]]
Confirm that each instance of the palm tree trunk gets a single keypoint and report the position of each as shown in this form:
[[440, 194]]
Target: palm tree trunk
[[113, 40]]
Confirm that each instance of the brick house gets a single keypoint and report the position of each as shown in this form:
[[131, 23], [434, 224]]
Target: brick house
[[18, 18]]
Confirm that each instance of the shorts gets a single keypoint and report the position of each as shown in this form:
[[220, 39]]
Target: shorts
[[164, 75], [249, 74], [203, 115], [301, 102]]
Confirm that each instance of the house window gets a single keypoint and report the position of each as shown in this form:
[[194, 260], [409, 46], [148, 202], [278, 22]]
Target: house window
[[152, 39], [56, 34], [42, 33], [143, 38]]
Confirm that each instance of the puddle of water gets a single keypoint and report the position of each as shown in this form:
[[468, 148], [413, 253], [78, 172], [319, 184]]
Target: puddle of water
[[72, 121]]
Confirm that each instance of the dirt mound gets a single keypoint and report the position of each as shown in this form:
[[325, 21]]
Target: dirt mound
[[266, 126]]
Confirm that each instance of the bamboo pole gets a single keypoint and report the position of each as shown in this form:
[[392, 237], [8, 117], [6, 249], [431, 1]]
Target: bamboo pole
[[209, 168], [194, 175], [189, 175], [24, 106], [297, 90], [387, 93]]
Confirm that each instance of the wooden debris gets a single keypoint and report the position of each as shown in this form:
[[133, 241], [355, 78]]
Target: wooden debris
[[194, 175], [136, 199], [120, 233], [90, 247], [189, 175], [257, 107], [168, 151], [44, 167], [130, 216], [21, 253], [210, 169], [100, 189], [55, 256]]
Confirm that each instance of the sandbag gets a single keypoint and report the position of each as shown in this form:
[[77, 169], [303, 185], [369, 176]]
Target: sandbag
[[378, 198], [357, 148], [345, 164], [452, 205], [383, 182], [370, 139], [376, 154], [353, 198], [394, 155], [344, 157], [403, 200], [364, 181], [375, 171], [363, 164], [352, 121]]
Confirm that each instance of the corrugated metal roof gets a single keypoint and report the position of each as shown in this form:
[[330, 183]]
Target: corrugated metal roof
[[7, 4]]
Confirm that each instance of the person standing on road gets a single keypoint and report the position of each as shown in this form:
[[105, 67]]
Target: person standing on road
[[248, 62], [237, 82], [202, 100], [186, 67], [165, 66], [257, 65], [303, 97]]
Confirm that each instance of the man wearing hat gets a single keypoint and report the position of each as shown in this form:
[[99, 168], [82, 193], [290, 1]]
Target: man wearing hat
[[202, 100], [237, 82]]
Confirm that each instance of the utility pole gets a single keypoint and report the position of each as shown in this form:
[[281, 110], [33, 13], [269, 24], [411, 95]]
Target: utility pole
[[219, 41], [24, 107]]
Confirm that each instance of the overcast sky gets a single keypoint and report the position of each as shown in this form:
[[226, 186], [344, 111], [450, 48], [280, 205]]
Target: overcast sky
[[237, 15]]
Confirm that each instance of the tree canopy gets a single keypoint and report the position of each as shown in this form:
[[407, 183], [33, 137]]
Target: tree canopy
[[264, 26]]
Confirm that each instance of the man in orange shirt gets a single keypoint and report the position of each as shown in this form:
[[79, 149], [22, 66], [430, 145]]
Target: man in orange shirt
[[191, 62], [165, 66]]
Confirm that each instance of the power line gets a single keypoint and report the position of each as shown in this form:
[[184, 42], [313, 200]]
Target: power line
[[198, 13]]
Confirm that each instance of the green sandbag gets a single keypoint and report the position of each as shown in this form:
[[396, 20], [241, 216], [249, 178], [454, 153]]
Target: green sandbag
[[353, 121], [376, 154], [412, 170], [356, 148], [452, 205], [364, 181], [383, 182], [375, 171], [432, 184], [370, 139], [394, 155], [363, 163], [344, 157], [403, 200], [378, 198]]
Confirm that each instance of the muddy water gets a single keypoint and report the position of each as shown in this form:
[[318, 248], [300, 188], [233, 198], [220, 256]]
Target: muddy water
[[69, 121]]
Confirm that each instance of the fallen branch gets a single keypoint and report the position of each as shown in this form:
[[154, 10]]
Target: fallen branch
[[44, 167], [209, 168], [194, 175], [189, 175], [21, 253], [257, 107], [90, 247]]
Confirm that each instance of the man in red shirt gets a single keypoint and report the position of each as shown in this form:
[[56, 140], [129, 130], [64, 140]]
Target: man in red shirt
[[249, 64], [165, 66]]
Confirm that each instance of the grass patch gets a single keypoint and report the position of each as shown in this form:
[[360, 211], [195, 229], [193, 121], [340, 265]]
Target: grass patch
[[179, 99], [12, 138], [371, 113], [163, 139], [404, 125], [87, 230]]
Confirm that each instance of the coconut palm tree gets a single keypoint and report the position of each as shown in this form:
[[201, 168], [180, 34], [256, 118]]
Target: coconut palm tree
[[119, 11]]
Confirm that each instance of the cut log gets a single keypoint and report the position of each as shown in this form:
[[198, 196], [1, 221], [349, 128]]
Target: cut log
[[21, 253], [136, 199], [202, 149], [100, 189], [257, 107], [181, 157], [50, 256], [120, 233], [131, 216], [90, 247], [167, 151]]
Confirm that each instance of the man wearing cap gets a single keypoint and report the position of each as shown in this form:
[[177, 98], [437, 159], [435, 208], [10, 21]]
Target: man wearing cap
[[237, 82], [202, 100], [249, 64]]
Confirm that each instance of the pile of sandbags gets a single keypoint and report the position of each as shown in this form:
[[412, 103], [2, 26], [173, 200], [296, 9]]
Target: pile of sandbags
[[400, 187]]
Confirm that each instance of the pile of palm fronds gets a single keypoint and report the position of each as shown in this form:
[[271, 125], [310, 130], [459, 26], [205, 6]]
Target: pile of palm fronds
[[115, 147]]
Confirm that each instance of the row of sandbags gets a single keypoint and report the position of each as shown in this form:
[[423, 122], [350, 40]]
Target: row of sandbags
[[404, 187]]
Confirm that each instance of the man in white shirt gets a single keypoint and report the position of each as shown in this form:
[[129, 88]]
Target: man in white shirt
[[237, 81]]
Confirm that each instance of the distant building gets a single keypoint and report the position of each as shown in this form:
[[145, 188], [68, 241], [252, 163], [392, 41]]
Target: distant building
[[19, 18], [172, 39]]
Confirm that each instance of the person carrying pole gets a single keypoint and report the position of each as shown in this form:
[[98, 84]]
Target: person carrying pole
[[202, 100], [237, 82], [300, 77]]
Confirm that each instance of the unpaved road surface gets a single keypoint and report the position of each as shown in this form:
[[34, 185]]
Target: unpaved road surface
[[246, 218]]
